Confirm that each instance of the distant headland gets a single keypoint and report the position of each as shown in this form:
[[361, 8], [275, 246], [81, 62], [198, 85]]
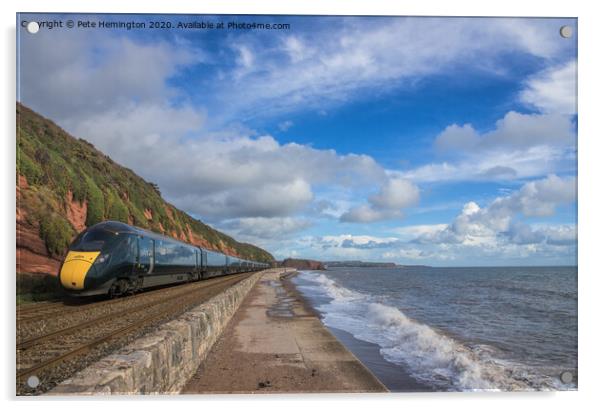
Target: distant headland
[[306, 264], [302, 264]]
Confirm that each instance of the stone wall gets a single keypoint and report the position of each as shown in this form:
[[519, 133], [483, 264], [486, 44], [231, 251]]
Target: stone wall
[[161, 362]]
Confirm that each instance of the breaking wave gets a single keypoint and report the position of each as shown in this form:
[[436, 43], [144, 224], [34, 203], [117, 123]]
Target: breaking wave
[[429, 355]]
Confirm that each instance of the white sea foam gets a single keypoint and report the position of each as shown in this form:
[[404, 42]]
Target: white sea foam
[[429, 355]]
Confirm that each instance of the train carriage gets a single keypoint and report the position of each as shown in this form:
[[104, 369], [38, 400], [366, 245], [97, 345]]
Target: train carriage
[[115, 258]]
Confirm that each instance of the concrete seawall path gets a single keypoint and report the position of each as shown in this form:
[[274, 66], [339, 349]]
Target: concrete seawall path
[[275, 343]]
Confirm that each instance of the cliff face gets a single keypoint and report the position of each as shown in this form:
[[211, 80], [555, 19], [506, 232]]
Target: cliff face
[[64, 184], [301, 264]]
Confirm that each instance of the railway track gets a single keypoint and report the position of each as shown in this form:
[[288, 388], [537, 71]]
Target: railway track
[[42, 310], [53, 355], [53, 316]]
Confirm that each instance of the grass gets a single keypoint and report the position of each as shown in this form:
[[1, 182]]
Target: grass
[[37, 287]]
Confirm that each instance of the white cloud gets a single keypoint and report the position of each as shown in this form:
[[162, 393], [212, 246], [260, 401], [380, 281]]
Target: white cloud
[[409, 254], [349, 246], [535, 36], [499, 231], [246, 58], [519, 164], [285, 126], [456, 138], [476, 226], [540, 197], [227, 175], [67, 76], [256, 200], [520, 146], [351, 240], [394, 195], [276, 228], [561, 235], [411, 232], [297, 49], [366, 214], [554, 90], [514, 131]]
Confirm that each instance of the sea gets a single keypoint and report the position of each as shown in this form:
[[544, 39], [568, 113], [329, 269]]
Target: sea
[[454, 329]]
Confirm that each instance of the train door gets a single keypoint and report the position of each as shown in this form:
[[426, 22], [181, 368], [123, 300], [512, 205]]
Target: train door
[[146, 255], [199, 263]]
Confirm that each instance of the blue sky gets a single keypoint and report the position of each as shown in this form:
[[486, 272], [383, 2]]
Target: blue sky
[[412, 140]]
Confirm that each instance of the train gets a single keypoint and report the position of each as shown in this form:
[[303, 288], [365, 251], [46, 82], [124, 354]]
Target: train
[[113, 258]]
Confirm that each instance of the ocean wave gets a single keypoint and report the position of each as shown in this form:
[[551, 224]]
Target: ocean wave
[[428, 354]]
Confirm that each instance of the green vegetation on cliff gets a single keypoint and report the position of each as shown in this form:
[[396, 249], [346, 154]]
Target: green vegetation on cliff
[[63, 173]]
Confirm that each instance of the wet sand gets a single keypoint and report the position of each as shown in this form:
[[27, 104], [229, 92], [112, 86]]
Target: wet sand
[[393, 376]]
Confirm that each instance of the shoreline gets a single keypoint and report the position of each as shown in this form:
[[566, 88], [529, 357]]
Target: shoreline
[[393, 376]]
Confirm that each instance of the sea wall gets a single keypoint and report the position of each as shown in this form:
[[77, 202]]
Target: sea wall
[[163, 361]]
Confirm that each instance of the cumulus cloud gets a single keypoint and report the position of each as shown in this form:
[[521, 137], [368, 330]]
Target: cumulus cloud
[[367, 247], [514, 131], [410, 232], [553, 90], [457, 138], [394, 195], [67, 76], [560, 235], [226, 176], [520, 146], [501, 230], [519, 164], [410, 254], [476, 226], [541, 197], [276, 228], [361, 242]]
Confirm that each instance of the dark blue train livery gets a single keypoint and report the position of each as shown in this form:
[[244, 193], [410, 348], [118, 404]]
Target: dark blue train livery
[[115, 258]]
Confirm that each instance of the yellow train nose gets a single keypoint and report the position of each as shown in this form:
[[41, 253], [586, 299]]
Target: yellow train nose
[[75, 268]]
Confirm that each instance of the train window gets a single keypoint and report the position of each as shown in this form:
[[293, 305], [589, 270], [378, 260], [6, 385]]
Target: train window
[[126, 250], [170, 253], [215, 259]]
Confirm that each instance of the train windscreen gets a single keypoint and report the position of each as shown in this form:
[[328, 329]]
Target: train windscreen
[[93, 240]]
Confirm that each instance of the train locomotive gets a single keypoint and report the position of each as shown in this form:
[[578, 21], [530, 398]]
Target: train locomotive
[[115, 258]]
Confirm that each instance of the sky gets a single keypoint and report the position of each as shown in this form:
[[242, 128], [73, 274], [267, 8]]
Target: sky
[[438, 141]]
